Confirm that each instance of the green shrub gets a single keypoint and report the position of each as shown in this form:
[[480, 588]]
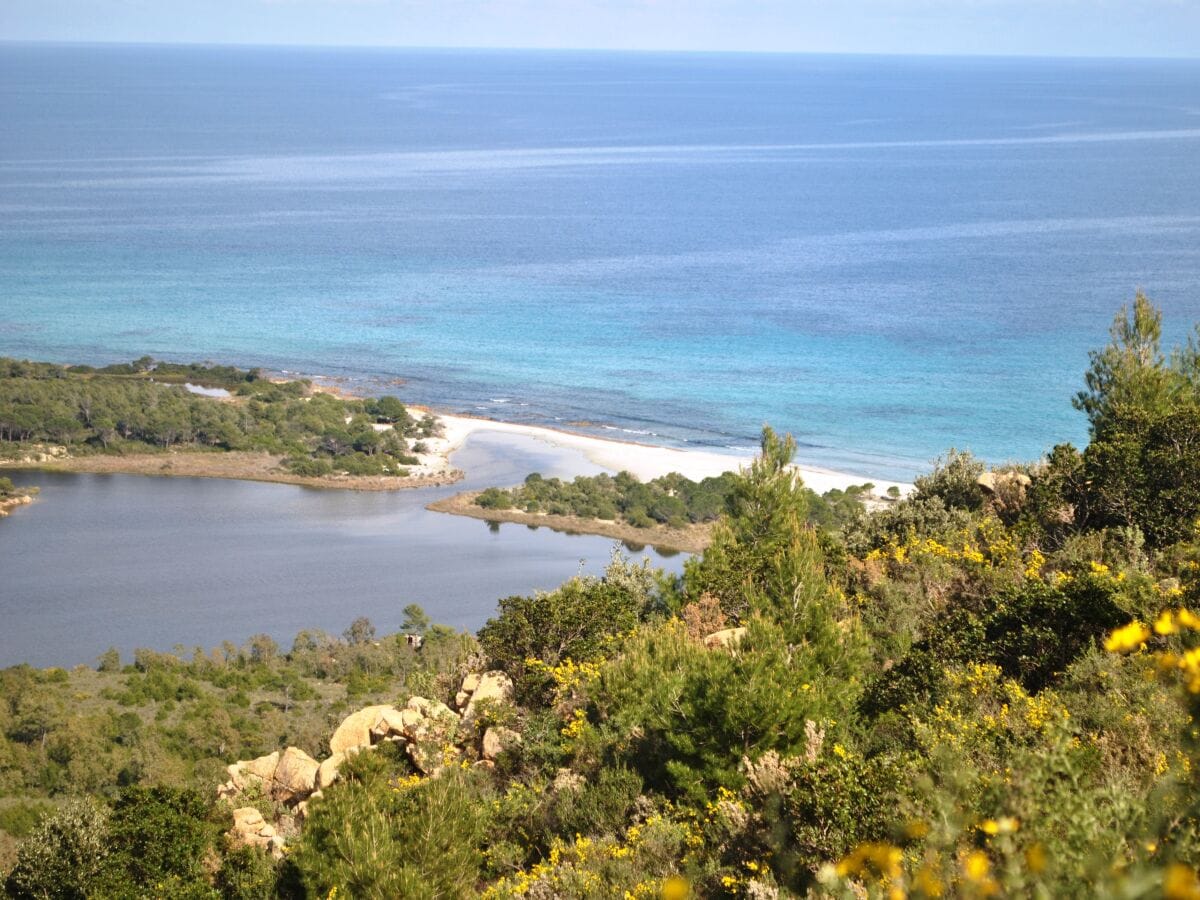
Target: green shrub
[[246, 873], [819, 806], [64, 857], [581, 621], [20, 819], [683, 715], [159, 835], [371, 839], [954, 481]]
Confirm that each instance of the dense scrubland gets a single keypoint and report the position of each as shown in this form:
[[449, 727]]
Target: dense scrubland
[[988, 688], [673, 500], [144, 406]]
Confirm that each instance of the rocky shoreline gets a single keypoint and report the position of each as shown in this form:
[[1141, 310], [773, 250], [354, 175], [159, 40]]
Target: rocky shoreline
[[8, 504]]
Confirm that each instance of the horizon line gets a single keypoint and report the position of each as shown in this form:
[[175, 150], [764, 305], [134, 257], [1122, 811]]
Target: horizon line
[[513, 48]]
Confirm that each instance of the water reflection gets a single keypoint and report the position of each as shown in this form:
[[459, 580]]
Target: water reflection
[[119, 560]]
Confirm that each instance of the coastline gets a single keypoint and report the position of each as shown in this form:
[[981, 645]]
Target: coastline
[[232, 465], [8, 505], [646, 461], [692, 539], [434, 468]]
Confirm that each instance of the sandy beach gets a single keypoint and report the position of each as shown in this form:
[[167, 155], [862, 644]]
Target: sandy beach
[[643, 460], [435, 462]]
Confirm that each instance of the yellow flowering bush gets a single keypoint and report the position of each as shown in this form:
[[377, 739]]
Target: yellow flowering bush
[[643, 863]]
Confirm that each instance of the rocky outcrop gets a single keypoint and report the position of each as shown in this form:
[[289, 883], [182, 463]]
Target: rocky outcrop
[[1005, 492], [327, 772], [295, 777], [250, 829], [8, 504], [492, 687], [728, 638], [39, 453], [355, 731], [497, 741], [469, 684], [995, 482], [429, 732], [431, 709], [249, 773], [284, 777]]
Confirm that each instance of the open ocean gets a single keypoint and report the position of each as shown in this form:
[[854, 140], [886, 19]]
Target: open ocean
[[885, 256]]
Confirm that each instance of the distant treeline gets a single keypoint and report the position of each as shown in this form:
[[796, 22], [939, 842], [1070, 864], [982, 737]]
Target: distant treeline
[[669, 500], [138, 406]]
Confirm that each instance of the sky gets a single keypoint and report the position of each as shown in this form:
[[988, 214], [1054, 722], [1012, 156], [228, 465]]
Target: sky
[[1001, 27]]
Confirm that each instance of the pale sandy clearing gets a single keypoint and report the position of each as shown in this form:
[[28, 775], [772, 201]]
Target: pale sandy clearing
[[643, 460]]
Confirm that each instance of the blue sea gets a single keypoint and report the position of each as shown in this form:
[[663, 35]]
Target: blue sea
[[885, 256]]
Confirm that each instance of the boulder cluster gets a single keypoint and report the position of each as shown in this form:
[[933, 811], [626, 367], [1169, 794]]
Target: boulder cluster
[[1005, 491], [429, 732]]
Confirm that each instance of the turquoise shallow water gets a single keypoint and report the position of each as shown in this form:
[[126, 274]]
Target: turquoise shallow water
[[885, 256]]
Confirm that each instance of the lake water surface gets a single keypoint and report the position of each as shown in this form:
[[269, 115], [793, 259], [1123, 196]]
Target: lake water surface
[[132, 561]]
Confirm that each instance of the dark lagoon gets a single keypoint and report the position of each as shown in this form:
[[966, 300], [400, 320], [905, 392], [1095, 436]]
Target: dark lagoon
[[129, 561]]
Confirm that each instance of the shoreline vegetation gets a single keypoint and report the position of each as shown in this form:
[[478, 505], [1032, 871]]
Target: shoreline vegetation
[[195, 420], [231, 465], [989, 687], [669, 512], [151, 417], [685, 539], [13, 497]]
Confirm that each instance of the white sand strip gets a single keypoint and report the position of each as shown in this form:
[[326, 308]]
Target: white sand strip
[[643, 460]]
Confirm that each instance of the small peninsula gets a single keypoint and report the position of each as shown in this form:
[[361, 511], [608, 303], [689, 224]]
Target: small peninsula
[[13, 496], [670, 512], [156, 418]]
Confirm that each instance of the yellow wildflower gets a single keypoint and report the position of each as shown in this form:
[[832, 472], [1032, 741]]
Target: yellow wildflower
[[915, 829], [1035, 858], [976, 865], [1127, 639], [927, 882], [576, 726], [1003, 825], [1165, 623], [1033, 566], [883, 859], [1180, 883]]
